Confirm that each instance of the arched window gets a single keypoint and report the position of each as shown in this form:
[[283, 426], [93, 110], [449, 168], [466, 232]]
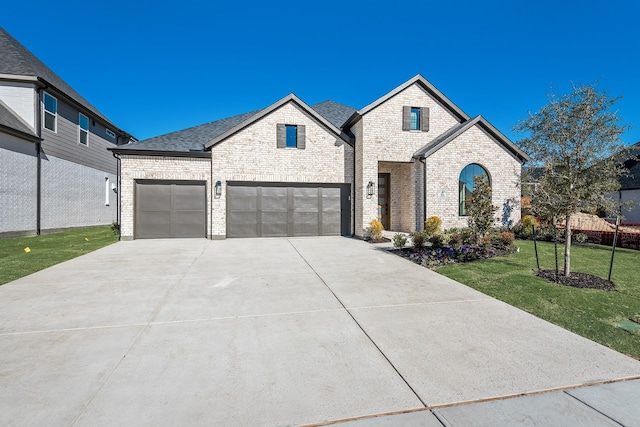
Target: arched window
[[466, 185]]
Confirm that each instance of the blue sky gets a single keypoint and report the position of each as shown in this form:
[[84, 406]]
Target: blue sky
[[156, 67]]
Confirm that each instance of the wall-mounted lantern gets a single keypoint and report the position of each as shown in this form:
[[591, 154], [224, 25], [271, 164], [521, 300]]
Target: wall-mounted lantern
[[217, 190], [370, 189]]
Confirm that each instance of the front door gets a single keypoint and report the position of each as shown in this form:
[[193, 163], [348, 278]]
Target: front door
[[384, 199]]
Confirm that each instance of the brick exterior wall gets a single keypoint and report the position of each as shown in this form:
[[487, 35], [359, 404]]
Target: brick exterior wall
[[18, 185], [157, 168], [443, 173], [74, 195], [383, 147], [380, 138], [250, 155]]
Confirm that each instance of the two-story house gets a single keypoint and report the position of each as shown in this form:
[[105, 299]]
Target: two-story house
[[292, 169], [55, 170]]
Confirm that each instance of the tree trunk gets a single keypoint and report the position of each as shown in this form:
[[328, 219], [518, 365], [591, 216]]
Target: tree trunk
[[567, 247]]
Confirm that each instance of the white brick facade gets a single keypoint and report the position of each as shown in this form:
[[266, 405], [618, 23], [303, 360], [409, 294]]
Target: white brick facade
[[250, 154], [382, 146]]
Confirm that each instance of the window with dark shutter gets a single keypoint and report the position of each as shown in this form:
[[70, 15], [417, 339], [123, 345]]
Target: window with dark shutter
[[424, 119], [406, 118], [301, 137], [281, 135]]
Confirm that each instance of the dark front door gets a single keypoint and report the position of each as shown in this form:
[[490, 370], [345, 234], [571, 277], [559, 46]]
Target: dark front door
[[384, 199]]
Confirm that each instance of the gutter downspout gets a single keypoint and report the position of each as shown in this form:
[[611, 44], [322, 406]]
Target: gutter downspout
[[353, 191], [424, 189], [118, 185], [38, 126]]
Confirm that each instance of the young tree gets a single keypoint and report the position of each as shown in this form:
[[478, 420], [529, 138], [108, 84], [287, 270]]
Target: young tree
[[481, 211], [575, 139]]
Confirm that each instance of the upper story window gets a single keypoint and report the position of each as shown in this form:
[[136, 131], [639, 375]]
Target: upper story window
[[83, 129], [466, 185], [291, 136], [110, 133], [415, 118], [50, 112]]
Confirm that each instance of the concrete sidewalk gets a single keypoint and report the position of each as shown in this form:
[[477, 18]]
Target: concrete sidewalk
[[287, 332]]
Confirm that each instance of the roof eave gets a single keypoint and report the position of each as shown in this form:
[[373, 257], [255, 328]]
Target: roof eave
[[162, 153], [427, 86], [19, 134]]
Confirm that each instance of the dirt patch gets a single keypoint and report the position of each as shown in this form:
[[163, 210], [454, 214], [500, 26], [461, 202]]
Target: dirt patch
[[578, 280]]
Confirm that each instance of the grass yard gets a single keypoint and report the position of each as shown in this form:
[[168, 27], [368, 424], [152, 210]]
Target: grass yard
[[48, 250], [587, 312]]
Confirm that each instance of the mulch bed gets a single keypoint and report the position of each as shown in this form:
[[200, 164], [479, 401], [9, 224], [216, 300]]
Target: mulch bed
[[578, 280]]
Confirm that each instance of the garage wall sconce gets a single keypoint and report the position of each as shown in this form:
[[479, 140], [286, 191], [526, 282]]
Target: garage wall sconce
[[370, 189], [217, 190]]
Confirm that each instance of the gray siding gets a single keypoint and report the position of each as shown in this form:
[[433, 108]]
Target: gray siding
[[17, 185], [63, 144], [74, 195]]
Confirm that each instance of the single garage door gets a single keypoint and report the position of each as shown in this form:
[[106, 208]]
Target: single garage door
[[281, 210], [170, 209]]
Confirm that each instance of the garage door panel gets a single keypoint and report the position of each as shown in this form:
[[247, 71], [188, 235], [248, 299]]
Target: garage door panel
[[243, 198], [154, 198], [274, 224], [274, 199], [280, 210], [170, 209]]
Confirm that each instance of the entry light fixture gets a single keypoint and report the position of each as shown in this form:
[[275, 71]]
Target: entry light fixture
[[370, 189], [217, 190]]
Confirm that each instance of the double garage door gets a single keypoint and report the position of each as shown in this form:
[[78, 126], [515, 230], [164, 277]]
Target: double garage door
[[178, 209], [280, 210]]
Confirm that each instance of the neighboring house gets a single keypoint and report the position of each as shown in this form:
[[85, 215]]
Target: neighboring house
[[294, 170], [55, 171], [630, 187]]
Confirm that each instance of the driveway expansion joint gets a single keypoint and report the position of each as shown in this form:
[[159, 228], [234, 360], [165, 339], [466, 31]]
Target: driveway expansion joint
[[360, 326]]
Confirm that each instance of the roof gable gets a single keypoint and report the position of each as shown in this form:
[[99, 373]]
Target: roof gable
[[458, 130], [423, 83], [291, 98]]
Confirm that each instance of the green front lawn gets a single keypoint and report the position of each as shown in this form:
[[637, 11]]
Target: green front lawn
[[48, 250], [587, 312]]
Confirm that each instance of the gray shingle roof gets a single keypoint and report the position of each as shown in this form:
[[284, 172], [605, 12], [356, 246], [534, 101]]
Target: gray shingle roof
[[336, 113], [194, 138], [15, 59], [9, 120]]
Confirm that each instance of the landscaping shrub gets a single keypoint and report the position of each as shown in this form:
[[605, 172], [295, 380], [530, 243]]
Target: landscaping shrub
[[418, 239], [399, 240], [481, 210], [506, 238], [115, 228], [375, 230], [432, 225], [580, 238]]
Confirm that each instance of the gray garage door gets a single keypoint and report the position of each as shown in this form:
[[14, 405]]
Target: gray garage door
[[170, 209], [280, 210]]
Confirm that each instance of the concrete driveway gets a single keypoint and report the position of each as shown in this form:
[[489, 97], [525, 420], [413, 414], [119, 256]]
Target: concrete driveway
[[275, 332]]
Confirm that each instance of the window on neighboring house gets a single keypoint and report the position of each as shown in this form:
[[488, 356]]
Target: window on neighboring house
[[50, 112], [415, 118], [110, 133], [290, 136], [83, 129], [106, 191], [466, 185]]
